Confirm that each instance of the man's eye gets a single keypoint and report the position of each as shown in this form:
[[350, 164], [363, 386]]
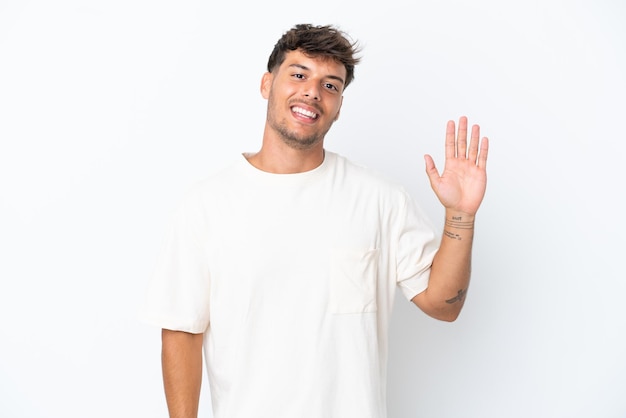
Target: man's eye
[[298, 75], [330, 86]]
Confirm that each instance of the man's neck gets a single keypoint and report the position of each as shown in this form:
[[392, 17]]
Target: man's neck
[[283, 159]]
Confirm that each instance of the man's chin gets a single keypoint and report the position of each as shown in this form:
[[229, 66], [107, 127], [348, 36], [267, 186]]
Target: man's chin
[[301, 144]]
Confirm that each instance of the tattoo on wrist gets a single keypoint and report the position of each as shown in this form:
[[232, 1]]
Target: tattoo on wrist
[[459, 297], [458, 222], [452, 235]]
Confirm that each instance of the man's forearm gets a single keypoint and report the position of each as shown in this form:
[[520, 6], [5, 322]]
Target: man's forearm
[[181, 359], [451, 269]]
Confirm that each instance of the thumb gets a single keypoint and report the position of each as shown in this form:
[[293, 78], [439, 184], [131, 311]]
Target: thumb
[[431, 170]]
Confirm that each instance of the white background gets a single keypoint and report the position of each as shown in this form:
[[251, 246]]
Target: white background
[[109, 110]]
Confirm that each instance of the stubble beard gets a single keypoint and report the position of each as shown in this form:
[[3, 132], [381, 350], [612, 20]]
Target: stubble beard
[[290, 137], [293, 139]]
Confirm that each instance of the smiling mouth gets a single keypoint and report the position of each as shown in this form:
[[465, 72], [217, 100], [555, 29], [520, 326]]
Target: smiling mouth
[[304, 112]]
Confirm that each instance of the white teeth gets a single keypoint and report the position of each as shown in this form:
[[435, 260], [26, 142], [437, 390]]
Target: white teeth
[[304, 112]]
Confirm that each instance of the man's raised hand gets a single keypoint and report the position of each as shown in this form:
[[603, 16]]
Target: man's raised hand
[[461, 186]]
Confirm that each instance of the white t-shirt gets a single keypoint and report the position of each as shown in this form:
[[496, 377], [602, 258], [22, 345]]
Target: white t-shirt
[[291, 278]]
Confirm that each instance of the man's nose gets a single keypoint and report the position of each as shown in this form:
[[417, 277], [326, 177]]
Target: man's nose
[[312, 91]]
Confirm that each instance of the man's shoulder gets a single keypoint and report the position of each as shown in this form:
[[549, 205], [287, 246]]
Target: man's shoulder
[[217, 180], [357, 172], [218, 176]]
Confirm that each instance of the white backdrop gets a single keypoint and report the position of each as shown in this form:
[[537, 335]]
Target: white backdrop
[[109, 110]]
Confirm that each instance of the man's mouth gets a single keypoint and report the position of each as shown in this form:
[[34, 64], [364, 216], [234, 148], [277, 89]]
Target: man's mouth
[[304, 112]]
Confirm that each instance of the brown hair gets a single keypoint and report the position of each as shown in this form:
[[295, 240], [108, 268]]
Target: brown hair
[[317, 41]]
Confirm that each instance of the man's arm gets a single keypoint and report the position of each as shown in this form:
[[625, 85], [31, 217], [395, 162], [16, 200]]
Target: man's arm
[[450, 271], [460, 189], [181, 359]]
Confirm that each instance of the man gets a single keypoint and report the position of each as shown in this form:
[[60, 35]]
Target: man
[[283, 266]]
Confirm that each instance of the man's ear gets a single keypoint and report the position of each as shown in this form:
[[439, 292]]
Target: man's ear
[[266, 85]]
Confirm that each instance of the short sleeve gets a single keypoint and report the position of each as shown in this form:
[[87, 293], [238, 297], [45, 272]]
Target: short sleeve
[[417, 244], [177, 296]]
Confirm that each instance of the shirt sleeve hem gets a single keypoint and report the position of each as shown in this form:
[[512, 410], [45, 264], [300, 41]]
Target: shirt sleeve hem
[[414, 286], [177, 324]]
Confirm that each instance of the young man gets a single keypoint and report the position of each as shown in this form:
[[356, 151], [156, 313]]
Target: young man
[[283, 267]]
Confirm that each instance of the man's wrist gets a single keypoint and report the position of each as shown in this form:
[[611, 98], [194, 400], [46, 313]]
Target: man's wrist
[[458, 225]]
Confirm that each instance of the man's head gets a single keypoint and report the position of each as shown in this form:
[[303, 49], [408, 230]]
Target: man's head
[[308, 71], [317, 41]]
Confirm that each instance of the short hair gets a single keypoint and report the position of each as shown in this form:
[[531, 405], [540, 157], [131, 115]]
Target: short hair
[[317, 41]]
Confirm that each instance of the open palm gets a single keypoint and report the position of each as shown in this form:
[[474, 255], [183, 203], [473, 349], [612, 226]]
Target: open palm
[[461, 186]]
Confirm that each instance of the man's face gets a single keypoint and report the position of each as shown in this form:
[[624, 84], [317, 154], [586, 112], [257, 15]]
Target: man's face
[[304, 99]]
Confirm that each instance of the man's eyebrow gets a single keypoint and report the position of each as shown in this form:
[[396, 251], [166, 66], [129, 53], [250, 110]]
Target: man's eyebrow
[[305, 68]]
